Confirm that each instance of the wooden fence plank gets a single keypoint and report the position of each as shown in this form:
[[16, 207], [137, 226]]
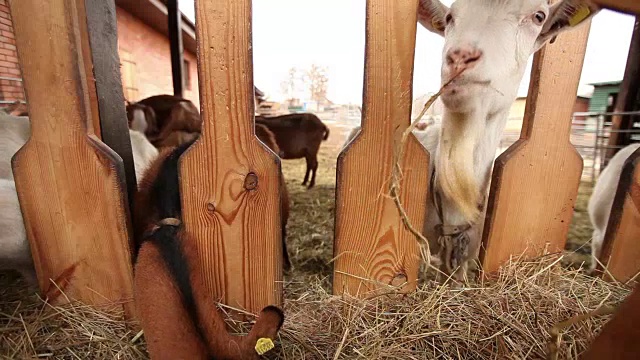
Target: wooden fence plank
[[628, 6], [535, 182], [114, 129], [372, 247], [69, 184], [621, 246], [93, 126], [229, 180], [627, 97]]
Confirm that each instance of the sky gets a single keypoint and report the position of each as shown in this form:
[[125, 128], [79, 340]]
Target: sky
[[331, 33]]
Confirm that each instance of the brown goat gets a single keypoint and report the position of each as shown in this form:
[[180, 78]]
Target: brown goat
[[177, 314], [298, 136], [620, 336], [267, 137], [166, 120]]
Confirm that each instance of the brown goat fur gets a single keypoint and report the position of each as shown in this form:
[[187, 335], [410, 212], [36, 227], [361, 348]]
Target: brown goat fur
[[620, 336], [170, 138], [298, 136], [169, 331], [170, 120], [145, 214], [176, 312]]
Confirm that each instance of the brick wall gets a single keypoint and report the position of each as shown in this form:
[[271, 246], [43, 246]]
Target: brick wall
[[143, 52], [10, 89], [581, 105], [146, 61]]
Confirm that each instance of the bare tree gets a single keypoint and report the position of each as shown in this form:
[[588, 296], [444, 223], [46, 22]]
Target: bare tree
[[290, 85], [317, 81]]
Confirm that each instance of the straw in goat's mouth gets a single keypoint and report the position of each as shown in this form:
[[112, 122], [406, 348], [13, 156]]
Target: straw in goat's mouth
[[396, 173], [464, 81]]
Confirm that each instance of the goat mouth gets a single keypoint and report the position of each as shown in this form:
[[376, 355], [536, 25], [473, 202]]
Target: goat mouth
[[466, 81], [461, 87]]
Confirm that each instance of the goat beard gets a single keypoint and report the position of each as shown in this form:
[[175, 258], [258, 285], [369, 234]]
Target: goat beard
[[455, 171]]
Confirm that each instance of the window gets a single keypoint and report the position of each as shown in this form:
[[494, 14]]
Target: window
[[186, 74], [128, 73]]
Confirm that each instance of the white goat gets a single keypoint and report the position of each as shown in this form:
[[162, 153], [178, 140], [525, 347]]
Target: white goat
[[14, 247], [601, 200], [420, 131], [15, 252], [15, 131], [491, 40]]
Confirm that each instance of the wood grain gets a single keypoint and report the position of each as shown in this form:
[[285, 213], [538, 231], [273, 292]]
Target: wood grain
[[69, 183], [114, 128], [93, 126], [535, 182], [628, 6], [621, 246], [372, 246], [229, 180]]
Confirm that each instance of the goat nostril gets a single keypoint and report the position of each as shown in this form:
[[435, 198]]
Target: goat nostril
[[456, 52], [450, 60], [471, 60]]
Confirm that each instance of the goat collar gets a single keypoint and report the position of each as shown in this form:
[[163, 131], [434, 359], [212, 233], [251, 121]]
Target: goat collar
[[164, 222], [452, 239]]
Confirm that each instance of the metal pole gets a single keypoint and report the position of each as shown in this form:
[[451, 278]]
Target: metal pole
[[175, 39]]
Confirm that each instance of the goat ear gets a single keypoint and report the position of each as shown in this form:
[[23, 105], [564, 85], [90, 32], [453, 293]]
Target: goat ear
[[566, 15], [268, 324], [431, 15]]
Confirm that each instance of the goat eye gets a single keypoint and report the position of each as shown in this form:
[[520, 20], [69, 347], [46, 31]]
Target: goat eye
[[539, 17], [448, 19]]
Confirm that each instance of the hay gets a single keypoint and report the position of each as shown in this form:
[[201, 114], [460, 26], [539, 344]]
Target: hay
[[509, 316], [32, 328]]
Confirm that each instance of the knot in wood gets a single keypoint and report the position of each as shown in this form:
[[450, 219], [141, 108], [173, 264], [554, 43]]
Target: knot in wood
[[251, 181], [399, 280]]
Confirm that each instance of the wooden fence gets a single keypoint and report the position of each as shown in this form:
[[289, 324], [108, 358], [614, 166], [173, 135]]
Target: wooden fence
[[73, 189]]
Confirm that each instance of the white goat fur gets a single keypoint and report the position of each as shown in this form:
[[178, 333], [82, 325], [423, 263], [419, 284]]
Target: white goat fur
[[143, 152], [601, 199], [476, 105], [14, 246], [15, 131]]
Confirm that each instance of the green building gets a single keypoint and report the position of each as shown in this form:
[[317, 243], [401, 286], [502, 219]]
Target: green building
[[604, 96]]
